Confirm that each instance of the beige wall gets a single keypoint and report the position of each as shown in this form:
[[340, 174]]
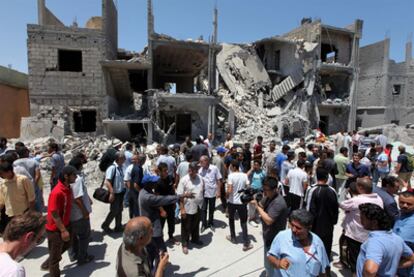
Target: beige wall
[[14, 104]]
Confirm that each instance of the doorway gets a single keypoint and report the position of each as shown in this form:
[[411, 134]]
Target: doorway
[[183, 126], [324, 124]]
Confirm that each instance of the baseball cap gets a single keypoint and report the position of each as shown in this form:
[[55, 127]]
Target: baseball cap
[[148, 179], [221, 149]]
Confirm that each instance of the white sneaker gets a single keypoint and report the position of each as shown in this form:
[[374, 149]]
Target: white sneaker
[[253, 223]]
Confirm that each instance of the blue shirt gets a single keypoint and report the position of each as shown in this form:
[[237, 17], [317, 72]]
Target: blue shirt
[[385, 249], [118, 181], [257, 179], [390, 206], [280, 158], [285, 245], [358, 171], [404, 227]]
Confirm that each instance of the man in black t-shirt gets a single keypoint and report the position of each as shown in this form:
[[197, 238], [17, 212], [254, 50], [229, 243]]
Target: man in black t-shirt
[[274, 213], [403, 168], [165, 186]]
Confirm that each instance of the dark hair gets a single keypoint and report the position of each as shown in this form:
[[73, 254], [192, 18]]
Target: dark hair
[[271, 182], [18, 145], [163, 149], [290, 154], [302, 154], [54, 146], [188, 156], [128, 146], [389, 181], [20, 225], [67, 170], [375, 212], [162, 166], [76, 162], [302, 216], [198, 140], [259, 137], [10, 157], [22, 151], [193, 165], [407, 193], [6, 167], [258, 162], [235, 163], [285, 147], [322, 174], [301, 163]]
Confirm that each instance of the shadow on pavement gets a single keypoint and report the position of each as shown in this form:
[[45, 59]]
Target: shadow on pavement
[[98, 250], [170, 271], [37, 252], [219, 224], [84, 270]]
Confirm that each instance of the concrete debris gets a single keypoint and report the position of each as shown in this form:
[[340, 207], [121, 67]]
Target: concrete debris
[[242, 71], [393, 132]]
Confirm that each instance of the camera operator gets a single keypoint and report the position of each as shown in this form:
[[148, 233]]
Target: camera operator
[[274, 212], [236, 183]]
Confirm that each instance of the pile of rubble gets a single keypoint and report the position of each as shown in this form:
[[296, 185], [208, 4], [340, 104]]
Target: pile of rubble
[[93, 147]]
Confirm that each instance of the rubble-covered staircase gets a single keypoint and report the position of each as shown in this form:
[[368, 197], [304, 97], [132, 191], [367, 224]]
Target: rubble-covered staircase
[[289, 83]]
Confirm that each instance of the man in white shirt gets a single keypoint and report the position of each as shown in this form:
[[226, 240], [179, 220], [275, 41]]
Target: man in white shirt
[[297, 180], [21, 235], [236, 182], [190, 207], [212, 180]]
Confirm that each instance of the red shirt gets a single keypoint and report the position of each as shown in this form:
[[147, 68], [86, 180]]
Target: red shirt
[[60, 200], [257, 149]]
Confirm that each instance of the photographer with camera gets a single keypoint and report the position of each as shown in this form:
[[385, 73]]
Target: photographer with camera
[[237, 182], [274, 212]]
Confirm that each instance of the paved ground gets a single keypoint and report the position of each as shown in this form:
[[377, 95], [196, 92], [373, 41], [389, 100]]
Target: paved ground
[[217, 258]]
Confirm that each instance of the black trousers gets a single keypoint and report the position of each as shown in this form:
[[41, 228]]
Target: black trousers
[[293, 201], [115, 211], [352, 252], [190, 227], [156, 246], [327, 241], [210, 204], [223, 198], [242, 211], [133, 203], [5, 219], [170, 209]]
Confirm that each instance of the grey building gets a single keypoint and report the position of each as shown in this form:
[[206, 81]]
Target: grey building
[[385, 90]]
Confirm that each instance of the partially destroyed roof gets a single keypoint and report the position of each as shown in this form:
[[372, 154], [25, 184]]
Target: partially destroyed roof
[[13, 78], [338, 29], [276, 39]]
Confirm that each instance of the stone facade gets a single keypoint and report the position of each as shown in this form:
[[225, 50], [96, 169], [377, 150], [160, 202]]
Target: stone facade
[[385, 91]]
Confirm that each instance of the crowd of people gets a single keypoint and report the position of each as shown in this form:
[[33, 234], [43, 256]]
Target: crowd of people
[[295, 193]]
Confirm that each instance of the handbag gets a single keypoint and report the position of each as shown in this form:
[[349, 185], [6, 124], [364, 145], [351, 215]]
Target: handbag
[[102, 194]]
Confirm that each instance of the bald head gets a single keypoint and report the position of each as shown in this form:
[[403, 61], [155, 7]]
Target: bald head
[[137, 233], [364, 185]]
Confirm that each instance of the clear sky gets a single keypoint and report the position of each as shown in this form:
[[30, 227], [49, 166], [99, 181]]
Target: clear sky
[[239, 20]]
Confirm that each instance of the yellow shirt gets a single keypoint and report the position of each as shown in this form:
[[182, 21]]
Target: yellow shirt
[[16, 194]]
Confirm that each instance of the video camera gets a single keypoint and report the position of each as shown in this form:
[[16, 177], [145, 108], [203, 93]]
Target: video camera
[[249, 194]]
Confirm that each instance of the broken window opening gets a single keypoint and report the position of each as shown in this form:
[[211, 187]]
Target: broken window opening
[[396, 89], [324, 124], [70, 60], [396, 122], [277, 60], [329, 53], [183, 126], [170, 87], [84, 121], [138, 131], [138, 80]]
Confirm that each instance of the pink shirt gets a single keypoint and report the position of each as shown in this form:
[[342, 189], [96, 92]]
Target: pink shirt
[[352, 220]]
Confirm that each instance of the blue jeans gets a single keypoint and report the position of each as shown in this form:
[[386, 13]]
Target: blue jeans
[[38, 199]]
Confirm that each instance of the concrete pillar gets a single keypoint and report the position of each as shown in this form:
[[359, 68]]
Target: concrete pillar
[[41, 7], [260, 104], [231, 122], [213, 120], [150, 133], [408, 52], [209, 120]]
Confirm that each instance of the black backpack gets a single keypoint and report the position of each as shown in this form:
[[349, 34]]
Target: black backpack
[[107, 159]]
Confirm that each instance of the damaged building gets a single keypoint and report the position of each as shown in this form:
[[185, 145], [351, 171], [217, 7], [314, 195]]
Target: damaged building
[[385, 89], [80, 82]]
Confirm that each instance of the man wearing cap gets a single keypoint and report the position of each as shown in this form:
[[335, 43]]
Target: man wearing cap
[[149, 204], [212, 179], [190, 208]]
